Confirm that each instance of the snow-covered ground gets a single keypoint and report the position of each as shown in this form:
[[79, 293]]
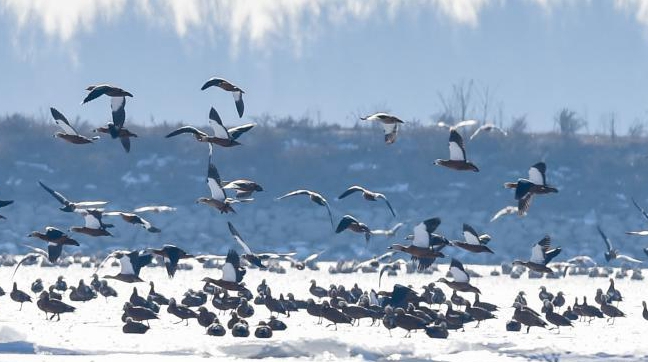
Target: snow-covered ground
[[93, 332]]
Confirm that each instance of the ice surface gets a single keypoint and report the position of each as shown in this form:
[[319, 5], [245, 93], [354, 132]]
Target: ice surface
[[93, 332]]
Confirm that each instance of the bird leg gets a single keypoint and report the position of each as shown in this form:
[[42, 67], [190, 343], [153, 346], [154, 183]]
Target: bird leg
[[528, 328]]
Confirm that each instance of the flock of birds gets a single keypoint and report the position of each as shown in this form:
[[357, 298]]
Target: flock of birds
[[402, 307]]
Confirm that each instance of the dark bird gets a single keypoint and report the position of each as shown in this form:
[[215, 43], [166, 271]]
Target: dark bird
[[4, 203], [53, 306], [612, 253], [19, 296], [37, 286], [263, 330], [461, 282], [314, 197], [545, 295], [118, 107], [69, 134], [485, 305], [134, 219], [334, 316], [611, 311], [317, 291], [555, 318], [205, 317], [437, 331], [457, 159], [228, 87], [526, 188], [224, 137], [541, 254], [474, 242], [645, 310], [131, 263], [69, 206], [367, 195], [139, 313], [216, 329], [528, 317], [645, 215], [171, 255], [479, 314], [589, 310], [426, 246], [243, 188], [613, 294], [180, 311], [134, 327], [351, 223], [232, 273], [389, 123], [408, 322]]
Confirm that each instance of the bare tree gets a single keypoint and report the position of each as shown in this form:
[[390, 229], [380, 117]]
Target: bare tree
[[518, 125], [636, 129], [457, 106], [568, 123]]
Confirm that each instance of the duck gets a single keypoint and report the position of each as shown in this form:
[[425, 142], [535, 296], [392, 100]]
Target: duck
[[138, 313], [439, 331], [218, 199], [232, 273], [555, 318], [263, 330], [180, 311], [590, 311], [545, 295], [389, 319], [227, 86], [69, 134], [137, 300], [479, 314], [155, 296], [612, 253], [224, 137], [351, 223], [53, 294], [559, 300], [244, 188], [367, 195], [205, 317], [251, 257], [53, 306], [240, 330], [457, 159], [55, 239], [274, 305], [19, 296], [388, 233], [484, 305], [276, 325], [171, 255], [134, 219], [408, 322], [541, 254], [94, 226], [474, 242], [610, 311], [106, 290], [216, 329], [132, 327], [334, 316], [528, 317], [426, 246], [60, 283], [526, 188], [355, 312], [131, 263], [37, 286], [314, 197], [70, 206], [118, 108], [314, 309], [389, 123], [245, 309], [461, 278]]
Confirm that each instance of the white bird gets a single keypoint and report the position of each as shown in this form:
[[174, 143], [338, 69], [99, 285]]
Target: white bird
[[507, 210], [314, 197], [488, 127]]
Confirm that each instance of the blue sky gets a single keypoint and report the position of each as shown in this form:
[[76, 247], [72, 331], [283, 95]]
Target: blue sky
[[332, 60]]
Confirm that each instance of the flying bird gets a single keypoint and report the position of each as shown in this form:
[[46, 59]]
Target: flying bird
[[466, 123], [506, 210], [368, 195], [251, 257], [232, 273], [488, 127], [612, 253], [228, 87], [131, 262], [541, 254], [351, 223], [389, 233], [69, 206], [390, 125], [426, 245], [645, 215], [171, 255], [474, 242], [461, 279], [155, 209], [314, 197], [4, 203], [218, 199], [457, 159], [52, 254], [243, 188], [118, 107], [55, 240], [69, 134], [134, 219], [224, 137], [536, 184], [94, 226]]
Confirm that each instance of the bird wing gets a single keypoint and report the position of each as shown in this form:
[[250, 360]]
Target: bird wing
[[477, 131], [186, 129], [638, 233], [125, 141], [456, 145], [214, 181], [504, 211], [391, 131], [117, 106], [217, 125], [628, 259], [57, 195], [312, 257], [466, 123], [328, 209], [470, 235], [238, 100], [236, 132], [29, 256], [62, 122], [293, 193], [345, 222], [231, 268], [212, 82], [539, 250], [640, 209], [537, 173], [458, 272], [607, 241], [239, 239], [90, 204], [395, 228], [96, 92], [91, 220], [160, 208], [351, 190], [391, 209]]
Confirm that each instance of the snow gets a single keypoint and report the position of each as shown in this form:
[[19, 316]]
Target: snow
[[94, 330]]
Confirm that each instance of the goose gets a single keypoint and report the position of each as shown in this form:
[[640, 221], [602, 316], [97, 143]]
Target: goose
[[263, 330], [251, 257], [461, 279], [180, 311], [389, 233], [171, 255], [134, 219], [232, 273], [19, 296], [53, 306], [390, 125], [54, 236], [314, 197], [138, 313], [131, 263], [457, 159], [52, 254], [368, 195], [528, 316], [540, 256], [133, 327], [37, 286], [487, 127], [243, 188], [426, 246], [155, 296], [69, 134], [228, 87], [474, 242], [408, 322], [645, 215], [555, 318], [479, 314], [351, 223], [117, 105], [94, 226], [612, 253], [218, 199], [611, 311], [70, 206], [536, 184], [613, 294], [333, 315], [224, 137]]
